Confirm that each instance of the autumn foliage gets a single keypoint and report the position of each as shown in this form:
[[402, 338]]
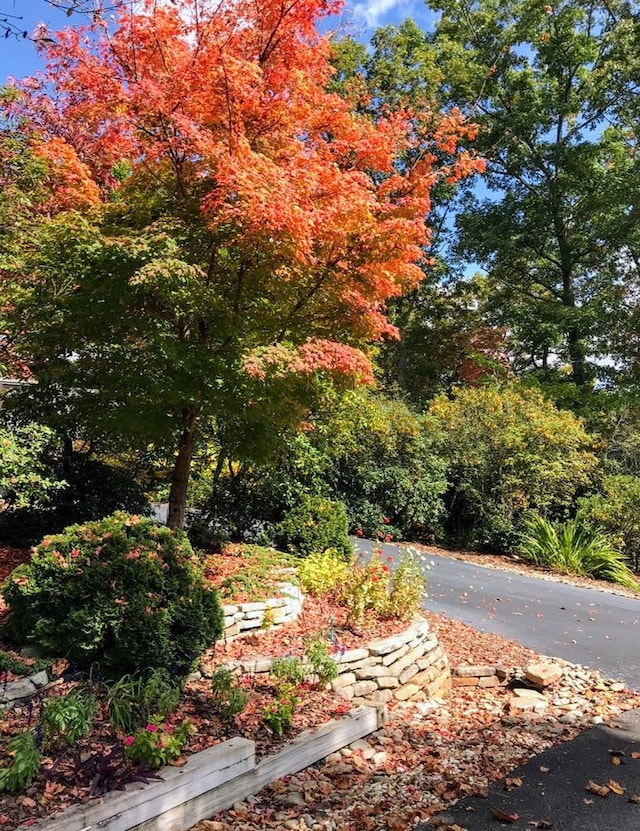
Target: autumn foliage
[[300, 215], [228, 104]]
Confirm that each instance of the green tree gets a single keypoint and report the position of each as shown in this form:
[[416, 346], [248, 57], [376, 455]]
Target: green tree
[[26, 475], [509, 451], [445, 336], [553, 87]]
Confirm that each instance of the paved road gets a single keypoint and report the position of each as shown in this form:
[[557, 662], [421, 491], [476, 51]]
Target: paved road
[[586, 626]]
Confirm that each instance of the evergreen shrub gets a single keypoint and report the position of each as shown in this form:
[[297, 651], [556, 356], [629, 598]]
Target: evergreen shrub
[[122, 592], [313, 525]]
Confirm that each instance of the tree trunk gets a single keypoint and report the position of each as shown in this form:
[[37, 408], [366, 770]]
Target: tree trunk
[[577, 357], [181, 471]]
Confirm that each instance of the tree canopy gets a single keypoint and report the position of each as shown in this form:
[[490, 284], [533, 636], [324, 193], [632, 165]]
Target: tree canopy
[[218, 222]]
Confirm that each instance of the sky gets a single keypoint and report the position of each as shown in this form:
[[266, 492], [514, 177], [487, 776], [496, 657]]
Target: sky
[[18, 57]]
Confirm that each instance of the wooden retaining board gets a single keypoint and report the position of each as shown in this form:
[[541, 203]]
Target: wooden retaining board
[[210, 781]]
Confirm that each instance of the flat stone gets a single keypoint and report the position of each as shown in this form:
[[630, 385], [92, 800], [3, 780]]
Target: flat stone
[[40, 679], [345, 679], [256, 665], [345, 692], [363, 662], [477, 671], [408, 673], [248, 624], [393, 656], [382, 646], [458, 681], [363, 747], [352, 655], [387, 681], [380, 696], [293, 799], [409, 658], [371, 672], [489, 681], [364, 688], [534, 695], [543, 674], [426, 676], [406, 692], [17, 690]]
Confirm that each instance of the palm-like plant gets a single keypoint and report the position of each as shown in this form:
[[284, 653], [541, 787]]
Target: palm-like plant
[[575, 548]]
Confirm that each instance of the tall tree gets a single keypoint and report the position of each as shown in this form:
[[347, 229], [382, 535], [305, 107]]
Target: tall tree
[[244, 227], [440, 322], [554, 89]]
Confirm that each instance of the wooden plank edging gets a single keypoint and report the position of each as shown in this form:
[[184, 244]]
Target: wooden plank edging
[[210, 781]]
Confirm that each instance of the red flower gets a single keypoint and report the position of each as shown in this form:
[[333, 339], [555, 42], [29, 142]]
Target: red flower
[[386, 520], [359, 533]]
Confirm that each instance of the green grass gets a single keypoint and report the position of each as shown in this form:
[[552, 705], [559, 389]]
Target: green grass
[[574, 548]]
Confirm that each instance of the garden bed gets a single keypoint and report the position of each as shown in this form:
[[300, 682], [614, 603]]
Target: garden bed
[[210, 781]]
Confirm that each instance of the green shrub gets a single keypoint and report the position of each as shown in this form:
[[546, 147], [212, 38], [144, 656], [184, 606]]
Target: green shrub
[[313, 525], [322, 571], [122, 592], [135, 699], [8, 663], [227, 695], [89, 490], [509, 451], [323, 666], [157, 743], [408, 580], [616, 511], [573, 548], [25, 763], [26, 476], [386, 469], [278, 716], [287, 670], [67, 718]]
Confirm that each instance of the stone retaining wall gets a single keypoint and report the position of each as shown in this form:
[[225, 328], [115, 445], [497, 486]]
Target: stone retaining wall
[[244, 618], [409, 665]]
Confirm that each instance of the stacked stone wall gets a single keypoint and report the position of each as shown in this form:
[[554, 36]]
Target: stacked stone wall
[[248, 618], [409, 665]]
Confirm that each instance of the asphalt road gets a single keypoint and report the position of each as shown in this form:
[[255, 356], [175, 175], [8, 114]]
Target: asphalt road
[[586, 626]]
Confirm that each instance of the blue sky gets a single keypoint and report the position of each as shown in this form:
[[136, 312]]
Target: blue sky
[[18, 57]]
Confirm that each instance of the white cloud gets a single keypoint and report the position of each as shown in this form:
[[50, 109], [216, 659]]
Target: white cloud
[[375, 12]]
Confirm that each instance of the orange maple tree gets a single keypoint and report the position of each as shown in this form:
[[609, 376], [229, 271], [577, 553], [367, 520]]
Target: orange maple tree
[[309, 214]]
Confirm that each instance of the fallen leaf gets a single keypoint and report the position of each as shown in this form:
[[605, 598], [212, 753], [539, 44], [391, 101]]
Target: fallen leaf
[[635, 754], [27, 802], [600, 790], [588, 801], [615, 787], [179, 762], [502, 816], [616, 760], [510, 783], [635, 798], [542, 823], [544, 769]]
